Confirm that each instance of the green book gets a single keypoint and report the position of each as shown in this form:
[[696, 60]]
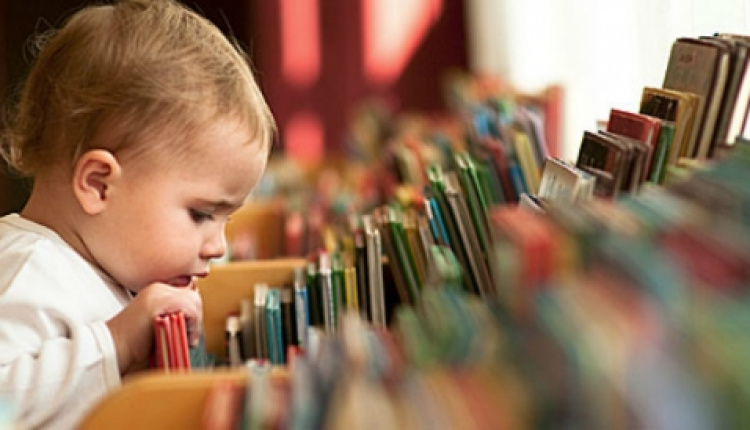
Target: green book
[[339, 291], [663, 144]]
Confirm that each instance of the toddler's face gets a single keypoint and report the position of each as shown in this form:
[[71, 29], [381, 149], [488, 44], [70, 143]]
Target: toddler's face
[[167, 224]]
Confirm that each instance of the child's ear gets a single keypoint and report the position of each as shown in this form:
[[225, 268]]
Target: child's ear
[[94, 174]]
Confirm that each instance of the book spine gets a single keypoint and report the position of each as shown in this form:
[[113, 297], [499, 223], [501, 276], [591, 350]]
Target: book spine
[[301, 307], [328, 295], [261, 332], [288, 322], [363, 286], [273, 318]]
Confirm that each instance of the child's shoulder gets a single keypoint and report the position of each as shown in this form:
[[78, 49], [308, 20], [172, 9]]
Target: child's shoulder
[[20, 234], [32, 254]]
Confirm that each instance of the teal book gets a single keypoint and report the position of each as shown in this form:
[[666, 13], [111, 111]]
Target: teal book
[[274, 327]]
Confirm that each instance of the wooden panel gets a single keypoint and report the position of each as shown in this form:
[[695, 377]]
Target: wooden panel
[[156, 400], [263, 220], [225, 287]]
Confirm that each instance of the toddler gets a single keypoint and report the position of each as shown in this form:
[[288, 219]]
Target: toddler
[[143, 129]]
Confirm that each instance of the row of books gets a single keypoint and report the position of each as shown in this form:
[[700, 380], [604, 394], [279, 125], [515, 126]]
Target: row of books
[[437, 182], [498, 253], [506, 147], [608, 314], [172, 352], [412, 235], [440, 367], [700, 110], [661, 277]]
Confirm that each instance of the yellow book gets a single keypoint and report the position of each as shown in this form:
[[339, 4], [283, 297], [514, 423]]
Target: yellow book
[[350, 284], [527, 161], [679, 107]]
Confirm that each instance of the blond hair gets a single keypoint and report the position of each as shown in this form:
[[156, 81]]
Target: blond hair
[[145, 68]]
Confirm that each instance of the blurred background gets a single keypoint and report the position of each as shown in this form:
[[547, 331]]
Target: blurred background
[[317, 61]]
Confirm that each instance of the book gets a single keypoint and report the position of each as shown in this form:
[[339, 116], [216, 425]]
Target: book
[[409, 221], [699, 66], [261, 322], [247, 328], [328, 295], [301, 307], [170, 343], [526, 160], [678, 107], [640, 156], [375, 271], [475, 197], [275, 336], [223, 406], [396, 259], [437, 178], [288, 320], [350, 284], [475, 263], [407, 260], [607, 159], [314, 293], [638, 126], [737, 95], [338, 285], [531, 203], [531, 122], [565, 183], [667, 138], [497, 156], [233, 341]]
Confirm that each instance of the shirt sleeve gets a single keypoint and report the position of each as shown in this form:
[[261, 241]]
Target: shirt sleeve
[[52, 366]]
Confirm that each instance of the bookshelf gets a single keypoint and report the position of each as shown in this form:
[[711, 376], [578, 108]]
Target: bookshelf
[[145, 393], [226, 286]]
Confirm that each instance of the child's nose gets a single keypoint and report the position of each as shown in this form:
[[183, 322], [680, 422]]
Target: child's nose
[[214, 246]]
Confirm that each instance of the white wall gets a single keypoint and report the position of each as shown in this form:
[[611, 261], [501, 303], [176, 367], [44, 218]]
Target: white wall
[[602, 52]]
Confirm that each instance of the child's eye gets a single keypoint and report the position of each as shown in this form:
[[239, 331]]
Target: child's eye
[[200, 216]]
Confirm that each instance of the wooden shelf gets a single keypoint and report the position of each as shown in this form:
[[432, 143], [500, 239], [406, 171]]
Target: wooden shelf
[[158, 400]]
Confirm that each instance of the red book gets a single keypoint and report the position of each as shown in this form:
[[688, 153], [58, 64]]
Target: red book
[[170, 343], [161, 343], [534, 241], [638, 126], [223, 406], [180, 340]]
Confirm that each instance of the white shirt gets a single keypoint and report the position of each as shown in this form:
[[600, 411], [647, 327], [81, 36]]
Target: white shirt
[[57, 357]]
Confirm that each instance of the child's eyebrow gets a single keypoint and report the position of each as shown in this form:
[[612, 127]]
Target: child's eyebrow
[[221, 204]]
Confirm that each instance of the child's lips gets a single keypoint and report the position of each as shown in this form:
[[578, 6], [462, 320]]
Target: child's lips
[[180, 281], [184, 281]]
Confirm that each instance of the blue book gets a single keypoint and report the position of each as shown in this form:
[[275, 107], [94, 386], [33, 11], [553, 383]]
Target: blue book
[[275, 329], [440, 233], [516, 178]]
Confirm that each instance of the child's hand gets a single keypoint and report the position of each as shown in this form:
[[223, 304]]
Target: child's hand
[[132, 329]]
